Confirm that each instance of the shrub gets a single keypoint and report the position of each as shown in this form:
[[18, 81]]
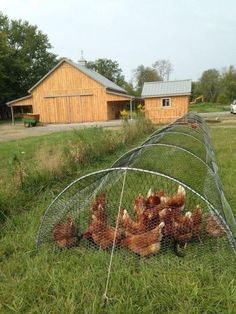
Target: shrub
[[124, 115], [137, 128], [140, 111], [222, 99], [92, 145]]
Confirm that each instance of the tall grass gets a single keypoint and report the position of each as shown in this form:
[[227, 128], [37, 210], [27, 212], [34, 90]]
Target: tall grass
[[138, 126], [42, 165], [73, 281]]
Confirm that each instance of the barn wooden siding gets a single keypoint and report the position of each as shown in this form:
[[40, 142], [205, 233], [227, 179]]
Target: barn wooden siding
[[158, 114], [68, 95]]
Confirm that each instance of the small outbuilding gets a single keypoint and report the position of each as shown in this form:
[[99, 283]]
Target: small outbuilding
[[166, 101], [71, 92]]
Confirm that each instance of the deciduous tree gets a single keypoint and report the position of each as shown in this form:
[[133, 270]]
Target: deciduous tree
[[108, 68], [24, 57], [164, 68], [145, 74], [209, 84], [228, 84]]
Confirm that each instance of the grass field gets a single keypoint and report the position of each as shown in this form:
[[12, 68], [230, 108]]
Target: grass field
[[73, 281], [208, 107]]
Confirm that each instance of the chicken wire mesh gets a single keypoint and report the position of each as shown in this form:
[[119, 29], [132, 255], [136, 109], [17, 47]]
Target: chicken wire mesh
[[160, 200], [163, 196]]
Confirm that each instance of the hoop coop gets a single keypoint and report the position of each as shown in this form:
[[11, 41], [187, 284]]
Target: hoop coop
[[159, 199]]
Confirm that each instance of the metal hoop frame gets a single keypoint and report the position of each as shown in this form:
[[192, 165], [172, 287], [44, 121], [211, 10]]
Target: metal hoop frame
[[122, 169]]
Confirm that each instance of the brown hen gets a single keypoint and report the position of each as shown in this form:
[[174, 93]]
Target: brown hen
[[99, 230], [103, 234], [146, 221], [140, 224], [197, 220], [153, 199], [139, 206], [213, 226], [178, 200], [145, 244], [65, 234]]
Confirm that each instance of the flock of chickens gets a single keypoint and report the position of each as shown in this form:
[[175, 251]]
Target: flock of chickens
[[157, 216]]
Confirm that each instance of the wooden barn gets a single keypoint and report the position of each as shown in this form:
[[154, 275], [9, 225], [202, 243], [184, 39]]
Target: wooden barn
[[166, 101], [71, 92]]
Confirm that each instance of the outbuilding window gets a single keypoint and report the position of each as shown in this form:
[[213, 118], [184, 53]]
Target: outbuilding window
[[165, 102]]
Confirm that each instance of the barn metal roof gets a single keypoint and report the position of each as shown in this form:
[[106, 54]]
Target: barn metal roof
[[93, 74], [99, 78], [168, 88]]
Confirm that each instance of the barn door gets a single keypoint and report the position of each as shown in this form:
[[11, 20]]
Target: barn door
[[87, 108]]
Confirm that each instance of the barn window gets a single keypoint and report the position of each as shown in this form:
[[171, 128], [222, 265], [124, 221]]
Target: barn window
[[166, 102]]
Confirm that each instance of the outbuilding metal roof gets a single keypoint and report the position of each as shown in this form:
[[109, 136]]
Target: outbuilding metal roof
[[93, 74], [168, 88]]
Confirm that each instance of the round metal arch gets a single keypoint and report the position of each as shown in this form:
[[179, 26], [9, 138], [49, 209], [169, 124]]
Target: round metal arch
[[125, 169]]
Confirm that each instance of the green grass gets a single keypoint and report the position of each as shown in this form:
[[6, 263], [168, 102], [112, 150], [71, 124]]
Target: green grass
[[73, 281], [34, 165], [208, 107], [223, 140]]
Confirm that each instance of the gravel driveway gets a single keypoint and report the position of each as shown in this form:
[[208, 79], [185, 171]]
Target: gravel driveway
[[13, 132]]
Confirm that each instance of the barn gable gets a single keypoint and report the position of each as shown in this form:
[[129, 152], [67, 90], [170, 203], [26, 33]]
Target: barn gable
[[65, 78], [93, 75]]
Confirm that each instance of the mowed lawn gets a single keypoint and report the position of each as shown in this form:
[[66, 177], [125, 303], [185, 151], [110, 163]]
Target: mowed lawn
[[208, 107], [73, 281]]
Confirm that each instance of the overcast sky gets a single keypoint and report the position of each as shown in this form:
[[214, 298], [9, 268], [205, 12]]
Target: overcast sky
[[194, 35]]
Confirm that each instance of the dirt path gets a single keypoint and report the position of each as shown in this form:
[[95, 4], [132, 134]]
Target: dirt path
[[10, 132]]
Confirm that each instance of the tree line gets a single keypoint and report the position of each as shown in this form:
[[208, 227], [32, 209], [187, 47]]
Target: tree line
[[159, 71], [216, 86], [25, 57]]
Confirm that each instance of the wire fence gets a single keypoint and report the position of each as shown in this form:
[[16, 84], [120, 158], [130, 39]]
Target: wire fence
[[171, 199]]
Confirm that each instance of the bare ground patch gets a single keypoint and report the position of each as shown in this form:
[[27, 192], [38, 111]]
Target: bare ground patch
[[10, 132]]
